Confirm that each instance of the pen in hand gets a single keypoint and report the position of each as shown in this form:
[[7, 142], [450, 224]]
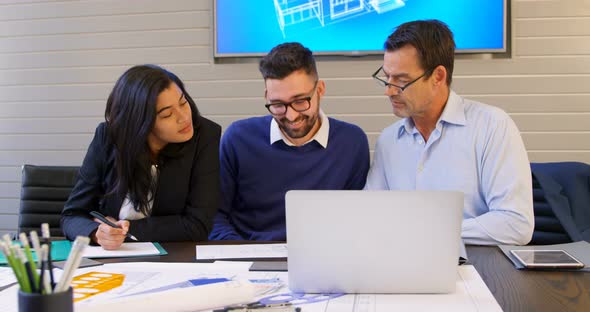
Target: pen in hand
[[102, 218]]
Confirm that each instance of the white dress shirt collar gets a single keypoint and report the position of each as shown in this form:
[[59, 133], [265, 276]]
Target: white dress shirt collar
[[453, 113]]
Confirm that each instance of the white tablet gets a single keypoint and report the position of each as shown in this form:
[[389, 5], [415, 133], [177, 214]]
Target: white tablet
[[547, 259]]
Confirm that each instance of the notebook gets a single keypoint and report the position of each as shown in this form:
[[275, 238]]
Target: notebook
[[131, 249], [373, 241]]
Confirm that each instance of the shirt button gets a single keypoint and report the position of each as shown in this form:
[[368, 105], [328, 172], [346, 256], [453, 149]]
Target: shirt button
[[420, 168], [420, 141]]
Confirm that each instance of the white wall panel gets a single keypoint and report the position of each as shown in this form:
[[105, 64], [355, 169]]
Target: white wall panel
[[41, 157], [49, 125], [551, 46], [111, 40], [44, 141], [556, 141], [9, 206], [10, 174], [557, 64], [115, 23], [9, 189], [544, 27], [8, 222], [63, 9], [106, 57], [557, 156], [550, 8], [35, 109]]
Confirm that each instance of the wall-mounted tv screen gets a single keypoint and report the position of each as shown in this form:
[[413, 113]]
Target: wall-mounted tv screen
[[350, 27]]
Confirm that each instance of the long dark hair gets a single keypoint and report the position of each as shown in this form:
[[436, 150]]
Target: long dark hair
[[130, 115]]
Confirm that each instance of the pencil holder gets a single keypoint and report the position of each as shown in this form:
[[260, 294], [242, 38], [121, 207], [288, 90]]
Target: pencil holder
[[33, 302]]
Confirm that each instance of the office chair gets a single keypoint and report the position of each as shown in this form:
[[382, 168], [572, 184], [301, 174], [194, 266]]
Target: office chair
[[566, 188], [548, 229], [44, 191]]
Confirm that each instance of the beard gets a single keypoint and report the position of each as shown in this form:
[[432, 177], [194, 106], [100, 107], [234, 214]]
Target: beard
[[300, 132]]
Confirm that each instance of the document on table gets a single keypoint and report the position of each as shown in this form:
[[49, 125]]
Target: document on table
[[126, 250], [471, 293], [252, 251], [167, 287]]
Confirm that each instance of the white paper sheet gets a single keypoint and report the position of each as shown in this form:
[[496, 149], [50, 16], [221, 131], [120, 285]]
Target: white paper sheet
[[253, 251], [471, 295], [8, 299], [126, 250], [6, 276]]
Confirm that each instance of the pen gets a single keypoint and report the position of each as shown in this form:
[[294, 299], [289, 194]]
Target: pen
[[36, 245], [45, 234], [102, 218], [7, 240], [22, 267], [72, 263], [44, 280], [29, 264], [278, 307], [41, 255], [7, 251], [28, 270]]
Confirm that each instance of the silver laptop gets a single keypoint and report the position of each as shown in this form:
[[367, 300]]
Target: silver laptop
[[373, 241]]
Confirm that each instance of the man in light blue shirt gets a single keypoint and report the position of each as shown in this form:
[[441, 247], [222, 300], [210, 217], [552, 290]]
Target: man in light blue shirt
[[446, 142]]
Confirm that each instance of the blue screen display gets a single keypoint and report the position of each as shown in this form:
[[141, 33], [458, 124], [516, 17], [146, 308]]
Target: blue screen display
[[253, 27]]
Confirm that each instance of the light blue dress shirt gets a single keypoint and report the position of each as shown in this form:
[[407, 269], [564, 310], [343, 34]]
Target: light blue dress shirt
[[475, 148]]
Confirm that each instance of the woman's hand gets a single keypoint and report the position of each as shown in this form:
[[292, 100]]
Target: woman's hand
[[108, 237]]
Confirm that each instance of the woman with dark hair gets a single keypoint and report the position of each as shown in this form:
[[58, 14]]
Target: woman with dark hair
[[152, 167]]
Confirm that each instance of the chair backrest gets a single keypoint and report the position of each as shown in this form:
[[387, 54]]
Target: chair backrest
[[44, 191], [548, 229], [566, 187]]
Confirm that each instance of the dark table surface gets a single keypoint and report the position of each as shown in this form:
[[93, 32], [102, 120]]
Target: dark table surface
[[515, 290]]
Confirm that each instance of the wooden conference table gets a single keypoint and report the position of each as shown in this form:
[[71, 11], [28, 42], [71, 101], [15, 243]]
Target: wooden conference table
[[513, 289]]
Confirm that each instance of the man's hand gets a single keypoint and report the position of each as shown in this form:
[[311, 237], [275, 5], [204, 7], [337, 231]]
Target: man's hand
[[108, 237]]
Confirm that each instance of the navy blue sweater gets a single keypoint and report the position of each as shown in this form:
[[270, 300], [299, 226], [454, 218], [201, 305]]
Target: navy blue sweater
[[255, 175]]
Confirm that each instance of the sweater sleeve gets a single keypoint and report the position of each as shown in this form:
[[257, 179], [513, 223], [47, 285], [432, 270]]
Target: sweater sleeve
[[222, 226], [202, 202], [87, 191]]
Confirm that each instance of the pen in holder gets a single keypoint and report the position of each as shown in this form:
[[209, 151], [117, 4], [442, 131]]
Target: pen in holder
[[37, 290], [36, 302]]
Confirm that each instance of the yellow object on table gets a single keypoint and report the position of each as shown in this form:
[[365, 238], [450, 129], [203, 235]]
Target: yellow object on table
[[94, 283]]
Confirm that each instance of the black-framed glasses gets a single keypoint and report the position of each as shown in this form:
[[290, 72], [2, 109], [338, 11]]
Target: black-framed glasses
[[299, 105], [383, 80]]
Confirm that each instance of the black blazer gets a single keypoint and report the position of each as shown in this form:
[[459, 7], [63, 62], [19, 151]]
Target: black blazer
[[186, 199], [566, 186]]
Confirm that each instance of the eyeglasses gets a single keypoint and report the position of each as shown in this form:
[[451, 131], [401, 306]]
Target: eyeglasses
[[382, 79], [299, 105]]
